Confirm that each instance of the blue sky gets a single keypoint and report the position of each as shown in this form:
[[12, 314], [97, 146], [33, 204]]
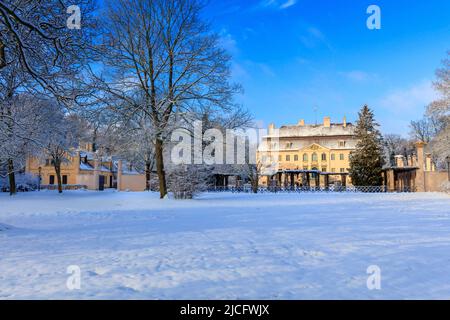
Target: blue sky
[[293, 55]]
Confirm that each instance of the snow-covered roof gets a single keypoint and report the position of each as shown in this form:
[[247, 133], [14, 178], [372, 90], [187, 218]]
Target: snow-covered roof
[[335, 129], [125, 167], [88, 167]]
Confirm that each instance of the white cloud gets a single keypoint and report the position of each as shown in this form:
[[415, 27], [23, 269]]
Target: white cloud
[[277, 4], [313, 38], [288, 3], [228, 42], [412, 100], [357, 75]]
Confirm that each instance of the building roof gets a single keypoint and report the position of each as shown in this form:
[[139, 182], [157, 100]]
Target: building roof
[[335, 129]]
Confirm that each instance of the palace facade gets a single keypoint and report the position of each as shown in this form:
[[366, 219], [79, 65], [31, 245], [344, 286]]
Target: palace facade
[[307, 154]]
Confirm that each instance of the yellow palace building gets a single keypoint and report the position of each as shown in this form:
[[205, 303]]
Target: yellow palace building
[[307, 154]]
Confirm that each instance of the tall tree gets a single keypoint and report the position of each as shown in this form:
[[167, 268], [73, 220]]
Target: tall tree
[[441, 109], [366, 161], [167, 62], [39, 53], [59, 134], [38, 34]]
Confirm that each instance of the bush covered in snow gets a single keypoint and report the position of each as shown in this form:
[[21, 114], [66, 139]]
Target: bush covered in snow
[[185, 181], [446, 187], [24, 182]]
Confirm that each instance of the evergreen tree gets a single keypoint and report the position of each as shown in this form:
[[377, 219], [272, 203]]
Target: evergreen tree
[[366, 161]]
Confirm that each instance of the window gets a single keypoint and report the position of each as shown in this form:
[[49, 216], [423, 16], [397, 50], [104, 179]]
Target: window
[[51, 180], [305, 157], [333, 169], [305, 168], [341, 156], [289, 145], [342, 144], [324, 157], [64, 179], [324, 169], [296, 157], [288, 158], [279, 158], [333, 156], [342, 170], [314, 157]]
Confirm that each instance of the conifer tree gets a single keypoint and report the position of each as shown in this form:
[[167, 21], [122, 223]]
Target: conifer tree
[[366, 162]]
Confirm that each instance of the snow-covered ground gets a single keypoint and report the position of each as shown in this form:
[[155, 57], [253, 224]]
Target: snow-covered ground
[[224, 246]]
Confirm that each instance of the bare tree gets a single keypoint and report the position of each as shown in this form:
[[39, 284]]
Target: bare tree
[[167, 62], [421, 130], [58, 135], [440, 110], [36, 34]]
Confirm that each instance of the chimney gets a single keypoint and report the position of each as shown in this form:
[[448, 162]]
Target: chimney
[[327, 122], [345, 122], [420, 156], [301, 123], [399, 161], [420, 175], [271, 128], [428, 162]]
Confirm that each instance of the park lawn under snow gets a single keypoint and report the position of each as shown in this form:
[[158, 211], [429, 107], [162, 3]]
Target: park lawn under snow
[[224, 246]]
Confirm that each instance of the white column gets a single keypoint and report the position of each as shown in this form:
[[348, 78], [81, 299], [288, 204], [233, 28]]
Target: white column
[[119, 175], [96, 174]]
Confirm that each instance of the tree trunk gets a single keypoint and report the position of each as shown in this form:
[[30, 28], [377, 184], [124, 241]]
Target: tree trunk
[[148, 175], [255, 185], [58, 176], [2, 55], [160, 168], [12, 178]]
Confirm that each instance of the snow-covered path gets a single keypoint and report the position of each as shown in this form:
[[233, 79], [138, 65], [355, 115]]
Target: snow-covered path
[[224, 246]]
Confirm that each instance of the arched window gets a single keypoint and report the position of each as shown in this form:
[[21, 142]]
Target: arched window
[[314, 156], [324, 157], [305, 157]]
